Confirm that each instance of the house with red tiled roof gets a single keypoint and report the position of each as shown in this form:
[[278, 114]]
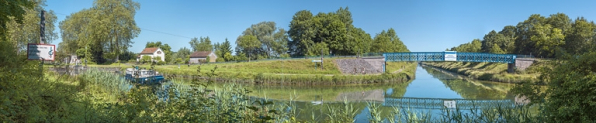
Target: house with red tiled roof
[[201, 56], [153, 52]]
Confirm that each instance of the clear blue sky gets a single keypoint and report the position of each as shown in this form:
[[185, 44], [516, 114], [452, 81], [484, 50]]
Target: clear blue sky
[[423, 25]]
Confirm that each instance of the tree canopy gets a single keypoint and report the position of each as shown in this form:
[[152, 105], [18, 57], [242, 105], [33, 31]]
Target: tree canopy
[[334, 32], [106, 29], [201, 44], [24, 29], [540, 36]]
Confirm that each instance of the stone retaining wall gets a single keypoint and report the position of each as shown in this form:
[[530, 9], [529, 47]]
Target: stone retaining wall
[[360, 66], [523, 63]]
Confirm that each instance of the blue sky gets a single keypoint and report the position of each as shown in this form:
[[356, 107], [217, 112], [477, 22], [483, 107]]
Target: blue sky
[[423, 25]]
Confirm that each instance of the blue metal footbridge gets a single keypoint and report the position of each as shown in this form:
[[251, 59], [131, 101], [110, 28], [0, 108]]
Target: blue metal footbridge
[[451, 56]]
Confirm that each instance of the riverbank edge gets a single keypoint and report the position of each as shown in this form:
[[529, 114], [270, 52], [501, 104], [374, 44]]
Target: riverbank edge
[[289, 79], [300, 80], [480, 75]]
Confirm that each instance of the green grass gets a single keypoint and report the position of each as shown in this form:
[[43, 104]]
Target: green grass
[[491, 71], [287, 72], [303, 66]]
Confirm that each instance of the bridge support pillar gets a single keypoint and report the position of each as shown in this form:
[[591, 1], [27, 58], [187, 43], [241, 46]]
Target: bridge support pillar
[[510, 67]]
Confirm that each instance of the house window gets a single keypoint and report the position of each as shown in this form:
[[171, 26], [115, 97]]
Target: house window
[[158, 52]]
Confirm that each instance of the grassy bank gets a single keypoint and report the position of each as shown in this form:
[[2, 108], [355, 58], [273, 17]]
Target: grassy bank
[[283, 72], [491, 71]]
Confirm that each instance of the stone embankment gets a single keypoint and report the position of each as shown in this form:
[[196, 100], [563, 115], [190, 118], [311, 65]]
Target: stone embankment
[[523, 63], [361, 65]]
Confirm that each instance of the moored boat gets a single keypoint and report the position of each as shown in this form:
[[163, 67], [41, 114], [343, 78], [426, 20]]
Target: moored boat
[[143, 76]]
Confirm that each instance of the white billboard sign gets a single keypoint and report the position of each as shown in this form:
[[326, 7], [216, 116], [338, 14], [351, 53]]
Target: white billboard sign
[[39, 51], [449, 103], [450, 56]]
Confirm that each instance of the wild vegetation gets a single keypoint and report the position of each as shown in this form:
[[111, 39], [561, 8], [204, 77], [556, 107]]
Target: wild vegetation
[[101, 33], [492, 71], [538, 36]]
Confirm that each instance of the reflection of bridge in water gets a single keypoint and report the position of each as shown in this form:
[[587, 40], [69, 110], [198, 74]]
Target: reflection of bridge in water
[[423, 103], [438, 103]]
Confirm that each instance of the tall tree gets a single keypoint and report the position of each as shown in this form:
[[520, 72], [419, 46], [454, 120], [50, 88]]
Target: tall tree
[[248, 43], [580, 38], [273, 40], [201, 44], [224, 48], [547, 39], [115, 19], [495, 43], [183, 53], [335, 29], [509, 34], [524, 44], [388, 41], [301, 32], [109, 26], [13, 10], [358, 41], [27, 31]]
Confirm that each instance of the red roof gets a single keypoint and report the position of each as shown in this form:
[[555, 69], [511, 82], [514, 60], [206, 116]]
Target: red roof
[[149, 50], [200, 54]]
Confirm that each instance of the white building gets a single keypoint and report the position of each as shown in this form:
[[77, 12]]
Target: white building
[[153, 52]]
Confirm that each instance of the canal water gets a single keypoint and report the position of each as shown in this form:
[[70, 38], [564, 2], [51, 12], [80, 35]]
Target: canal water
[[429, 83]]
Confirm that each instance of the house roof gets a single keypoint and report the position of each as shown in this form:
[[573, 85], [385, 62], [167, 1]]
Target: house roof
[[200, 54], [149, 50]]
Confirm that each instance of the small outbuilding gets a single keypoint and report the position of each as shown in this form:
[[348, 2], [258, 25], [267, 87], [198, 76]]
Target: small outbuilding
[[202, 56]]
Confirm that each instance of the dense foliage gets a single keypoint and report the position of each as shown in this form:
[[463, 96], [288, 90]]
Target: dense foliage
[[103, 32], [222, 49], [539, 36], [269, 41], [201, 44], [569, 94], [333, 33]]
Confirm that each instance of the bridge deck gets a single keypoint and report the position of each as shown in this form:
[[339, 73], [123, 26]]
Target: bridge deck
[[445, 56]]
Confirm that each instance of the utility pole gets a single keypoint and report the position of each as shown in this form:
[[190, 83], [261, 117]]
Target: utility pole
[[42, 28], [42, 39]]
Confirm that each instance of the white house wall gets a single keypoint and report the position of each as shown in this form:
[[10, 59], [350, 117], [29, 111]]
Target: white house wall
[[162, 55]]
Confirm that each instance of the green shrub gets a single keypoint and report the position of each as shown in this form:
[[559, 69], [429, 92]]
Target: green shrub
[[161, 63], [219, 60], [570, 94]]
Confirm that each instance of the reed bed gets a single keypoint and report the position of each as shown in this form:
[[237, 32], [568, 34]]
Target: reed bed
[[111, 84]]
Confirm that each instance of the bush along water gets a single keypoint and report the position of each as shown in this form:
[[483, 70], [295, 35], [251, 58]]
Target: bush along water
[[301, 80]]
